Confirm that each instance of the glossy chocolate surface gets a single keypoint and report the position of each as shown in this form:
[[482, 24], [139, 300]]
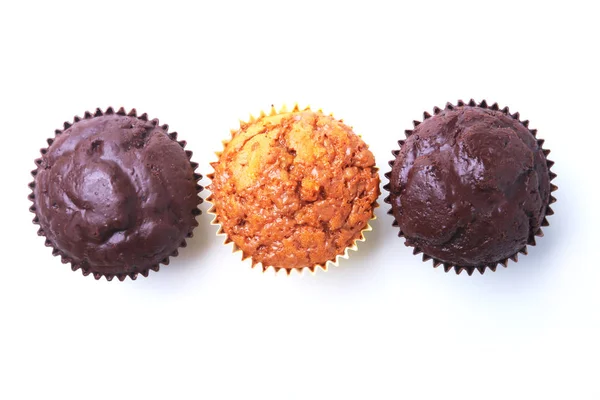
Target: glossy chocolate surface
[[115, 194], [470, 186]]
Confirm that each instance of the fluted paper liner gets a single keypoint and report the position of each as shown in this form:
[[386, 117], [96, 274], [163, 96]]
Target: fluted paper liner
[[220, 232], [66, 259], [531, 240]]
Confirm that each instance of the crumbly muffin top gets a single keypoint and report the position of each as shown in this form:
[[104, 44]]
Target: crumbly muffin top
[[115, 194], [470, 186], [294, 189]]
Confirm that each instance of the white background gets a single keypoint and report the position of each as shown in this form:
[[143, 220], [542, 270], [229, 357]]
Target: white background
[[383, 325]]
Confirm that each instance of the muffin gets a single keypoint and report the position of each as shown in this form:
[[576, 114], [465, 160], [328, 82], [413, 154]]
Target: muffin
[[470, 187], [294, 190], [115, 194]]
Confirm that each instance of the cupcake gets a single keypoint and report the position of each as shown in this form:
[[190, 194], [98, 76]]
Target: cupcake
[[115, 194], [470, 187], [294, 190]]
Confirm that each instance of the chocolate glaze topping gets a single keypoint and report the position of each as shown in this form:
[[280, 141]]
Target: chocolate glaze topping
[[470, 187], [116, 195]]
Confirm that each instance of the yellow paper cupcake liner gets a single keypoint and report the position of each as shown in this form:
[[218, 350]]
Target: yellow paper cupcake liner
[[335, 261]]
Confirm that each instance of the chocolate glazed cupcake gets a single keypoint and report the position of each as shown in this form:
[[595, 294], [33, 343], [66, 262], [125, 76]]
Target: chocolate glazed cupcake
[[115, 194], [470, 187]]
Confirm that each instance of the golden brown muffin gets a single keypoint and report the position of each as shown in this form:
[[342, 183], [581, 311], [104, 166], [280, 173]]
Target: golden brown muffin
[[294, 189]]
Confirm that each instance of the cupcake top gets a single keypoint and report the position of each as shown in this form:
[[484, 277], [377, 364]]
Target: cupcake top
[[115, 194], [294, 189], [470, 186]]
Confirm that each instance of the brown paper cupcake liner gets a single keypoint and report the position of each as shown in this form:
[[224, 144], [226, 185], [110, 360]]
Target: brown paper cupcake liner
[[531, 240], [65, 259], [220, 232]]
